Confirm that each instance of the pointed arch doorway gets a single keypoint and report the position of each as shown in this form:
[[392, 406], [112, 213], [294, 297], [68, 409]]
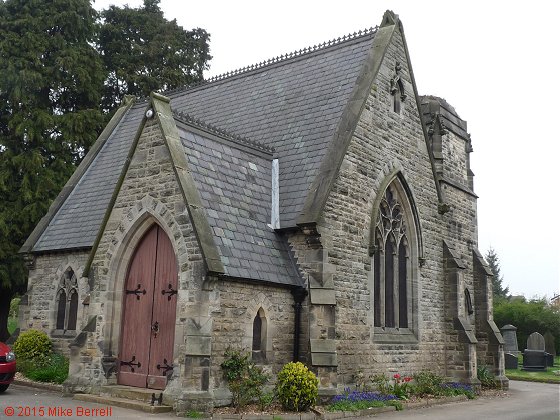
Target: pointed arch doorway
[[150, 304]]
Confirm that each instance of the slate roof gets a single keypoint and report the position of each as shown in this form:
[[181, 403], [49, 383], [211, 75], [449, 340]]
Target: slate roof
[[77, 222], [293, 105], [234, 186]]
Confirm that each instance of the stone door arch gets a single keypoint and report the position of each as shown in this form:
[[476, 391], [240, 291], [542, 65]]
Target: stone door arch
[[149, 311]]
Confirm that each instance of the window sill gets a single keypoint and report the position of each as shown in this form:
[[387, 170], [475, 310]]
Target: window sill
[[258, 357], [383, 335], [63, 333]]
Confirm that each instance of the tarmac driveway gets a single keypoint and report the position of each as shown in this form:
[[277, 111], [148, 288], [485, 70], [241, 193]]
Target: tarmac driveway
[[527, 401]]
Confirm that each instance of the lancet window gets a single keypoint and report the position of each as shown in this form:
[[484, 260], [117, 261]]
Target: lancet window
[[391, 264], [67, 302], [259, 336]]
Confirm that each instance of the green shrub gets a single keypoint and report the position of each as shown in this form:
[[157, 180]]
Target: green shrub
[[265, 400], [14, 307], [529, 316], [381, 383], [296, 387], [53, 368], [245, 380], [485, 377], [427, 383], [194, 415], [456, 388], [12, 325], [32, 343]]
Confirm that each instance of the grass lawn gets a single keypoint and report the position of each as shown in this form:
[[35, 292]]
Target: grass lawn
[[12, 325], [547, 376]]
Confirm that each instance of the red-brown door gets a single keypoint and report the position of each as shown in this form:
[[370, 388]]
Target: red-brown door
[[150, 301]]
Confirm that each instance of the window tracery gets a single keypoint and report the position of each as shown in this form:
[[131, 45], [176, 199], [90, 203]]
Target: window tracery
[[67, 302], [391, 264]]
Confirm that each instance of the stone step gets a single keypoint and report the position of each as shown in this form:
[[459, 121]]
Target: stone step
[[130, 392], [124, 403]]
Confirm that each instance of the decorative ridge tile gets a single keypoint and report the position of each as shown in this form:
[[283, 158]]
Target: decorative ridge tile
[[186, 118], [279, 59]]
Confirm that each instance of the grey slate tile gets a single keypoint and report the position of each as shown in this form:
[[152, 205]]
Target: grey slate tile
[[293, 106]]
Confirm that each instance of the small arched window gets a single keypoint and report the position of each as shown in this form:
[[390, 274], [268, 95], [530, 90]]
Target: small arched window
[[468, 302], [61, 310], [259, 336], [73, 310], [67, 302]]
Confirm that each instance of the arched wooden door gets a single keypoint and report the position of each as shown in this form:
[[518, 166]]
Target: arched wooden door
[[150, 303]]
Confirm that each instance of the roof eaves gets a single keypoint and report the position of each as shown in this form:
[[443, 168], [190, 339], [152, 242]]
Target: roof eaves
[[34, 237]]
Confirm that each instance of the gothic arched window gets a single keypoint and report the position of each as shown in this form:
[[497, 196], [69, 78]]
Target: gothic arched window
[[259, 336], [67, 302], [391, 264]]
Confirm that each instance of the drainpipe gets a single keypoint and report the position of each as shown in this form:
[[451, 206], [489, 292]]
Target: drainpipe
[[299, 294]]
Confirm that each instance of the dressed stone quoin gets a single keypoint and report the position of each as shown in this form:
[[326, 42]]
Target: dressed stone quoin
[[312, 207]]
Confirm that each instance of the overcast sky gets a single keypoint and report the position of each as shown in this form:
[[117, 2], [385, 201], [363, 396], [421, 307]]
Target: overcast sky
[[495, 61]]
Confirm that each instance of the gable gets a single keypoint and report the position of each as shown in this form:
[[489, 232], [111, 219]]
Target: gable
[[234, 184], [293, 105], [217, 188], [305, 105]]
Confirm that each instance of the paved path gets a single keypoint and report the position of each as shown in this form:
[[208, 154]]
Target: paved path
[[527, 401], [20, 402]]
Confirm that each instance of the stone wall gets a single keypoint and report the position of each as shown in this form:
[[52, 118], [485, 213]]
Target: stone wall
[[38, 309], [232, 307], [149, 194], [384, 144], [212, 314]]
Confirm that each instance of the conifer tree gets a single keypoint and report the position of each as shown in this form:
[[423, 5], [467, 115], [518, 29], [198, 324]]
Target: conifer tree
[[62, 71], [144, 52], [50, 88], [497, 280]]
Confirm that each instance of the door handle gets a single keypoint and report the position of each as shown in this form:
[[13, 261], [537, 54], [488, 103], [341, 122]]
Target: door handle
[[155, 328]]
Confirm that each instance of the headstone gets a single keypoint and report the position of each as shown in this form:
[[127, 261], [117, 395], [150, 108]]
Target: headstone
[[511, 360], [534, 356], [509, 332], [535, 342], [549, 348]]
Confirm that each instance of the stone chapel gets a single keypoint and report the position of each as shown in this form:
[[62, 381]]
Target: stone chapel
[[312, 207]]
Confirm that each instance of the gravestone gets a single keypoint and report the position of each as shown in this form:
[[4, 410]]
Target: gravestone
[[534, 356], [535, 342], [509, 332], [511, 361], [549, 348]]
